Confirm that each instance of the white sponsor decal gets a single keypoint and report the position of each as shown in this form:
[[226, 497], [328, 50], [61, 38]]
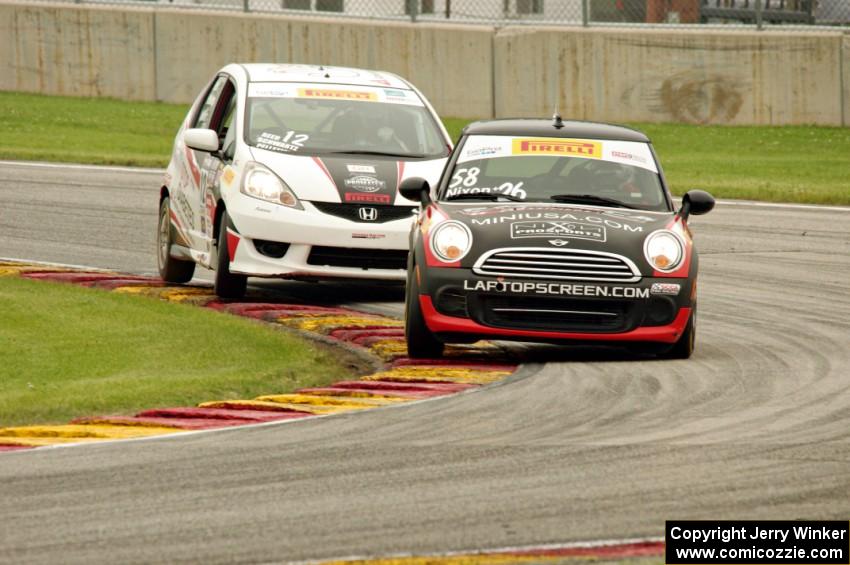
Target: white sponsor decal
[[504, 209], [395, 95], [507, 188], [483, 151], [361, 169], [464, 182], [569, 230], [560, 289], [556, 216], [365, 183], [368, 236], [666, 288], [484, 147], [288, 142]]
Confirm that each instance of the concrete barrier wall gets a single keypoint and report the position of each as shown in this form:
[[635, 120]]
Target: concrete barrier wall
[[416, 52], [649, 75], [77, 51], [467, 71], [169, 55]]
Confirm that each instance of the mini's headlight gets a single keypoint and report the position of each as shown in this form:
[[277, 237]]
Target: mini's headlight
[[664, 250], [260, 182], [451, 241]]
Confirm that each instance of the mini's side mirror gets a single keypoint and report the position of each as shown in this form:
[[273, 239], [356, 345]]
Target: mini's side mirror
[[201, 139], [416, 189], [696, 202]]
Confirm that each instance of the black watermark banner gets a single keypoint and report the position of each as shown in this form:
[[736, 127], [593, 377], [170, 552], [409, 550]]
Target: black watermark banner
[[697, 542]]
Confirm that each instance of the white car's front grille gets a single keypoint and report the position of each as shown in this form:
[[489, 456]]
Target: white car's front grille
[[558, 264]]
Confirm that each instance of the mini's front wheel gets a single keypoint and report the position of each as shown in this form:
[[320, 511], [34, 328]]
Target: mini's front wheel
[[421, 342]]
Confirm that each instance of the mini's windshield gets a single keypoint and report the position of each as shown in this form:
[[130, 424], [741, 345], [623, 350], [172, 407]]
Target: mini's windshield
[[307, 119], [618, 174]]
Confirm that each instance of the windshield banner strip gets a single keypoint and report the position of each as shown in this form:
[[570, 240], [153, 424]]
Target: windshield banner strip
[[632, 153], [333, 92]]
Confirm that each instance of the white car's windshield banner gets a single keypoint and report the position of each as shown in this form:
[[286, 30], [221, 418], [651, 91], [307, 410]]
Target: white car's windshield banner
[[333, 92]]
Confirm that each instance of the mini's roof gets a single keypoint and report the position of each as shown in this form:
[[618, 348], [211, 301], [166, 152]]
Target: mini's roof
[[546, 128], [322, 75]]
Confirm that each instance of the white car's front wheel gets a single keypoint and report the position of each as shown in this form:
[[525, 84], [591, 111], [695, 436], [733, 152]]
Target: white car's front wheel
[[170, 269], [227, 284]]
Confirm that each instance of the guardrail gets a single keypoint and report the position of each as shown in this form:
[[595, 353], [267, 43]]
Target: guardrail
[[672, 13]]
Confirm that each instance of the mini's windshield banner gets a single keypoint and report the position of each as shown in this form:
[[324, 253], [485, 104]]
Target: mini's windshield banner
[[482, 147], [696, 542]]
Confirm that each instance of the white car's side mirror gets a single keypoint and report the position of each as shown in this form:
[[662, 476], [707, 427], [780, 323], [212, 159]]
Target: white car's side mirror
[[201, 139]]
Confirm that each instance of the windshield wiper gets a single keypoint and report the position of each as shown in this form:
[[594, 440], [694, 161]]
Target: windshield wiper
[[483, 196], [383, 153], [591, 199]]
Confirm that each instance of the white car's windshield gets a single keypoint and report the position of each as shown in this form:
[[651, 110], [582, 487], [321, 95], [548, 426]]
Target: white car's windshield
[[306, 119], [603, 173]]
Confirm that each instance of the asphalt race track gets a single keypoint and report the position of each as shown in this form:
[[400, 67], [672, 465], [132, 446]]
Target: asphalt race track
[[587, 446]]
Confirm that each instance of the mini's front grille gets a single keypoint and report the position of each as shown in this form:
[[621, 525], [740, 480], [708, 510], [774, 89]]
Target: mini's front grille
[[557, 314], [557, 264], [357, 258], [365, 213]]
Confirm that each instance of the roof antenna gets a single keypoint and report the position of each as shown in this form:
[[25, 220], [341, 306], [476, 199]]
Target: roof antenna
[[556, 118]]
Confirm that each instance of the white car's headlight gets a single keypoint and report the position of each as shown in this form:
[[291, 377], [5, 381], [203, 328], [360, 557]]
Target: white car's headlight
[[664, 250], [451, 241], [259, 182]]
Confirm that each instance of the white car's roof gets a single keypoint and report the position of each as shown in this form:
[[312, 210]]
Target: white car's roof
[[322, 75]]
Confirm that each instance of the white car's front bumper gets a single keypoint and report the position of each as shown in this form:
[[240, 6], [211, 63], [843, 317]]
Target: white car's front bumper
[[305, 229]]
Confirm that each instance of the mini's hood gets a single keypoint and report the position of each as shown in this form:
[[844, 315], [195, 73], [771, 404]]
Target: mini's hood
[[357, 179], [557, 226]]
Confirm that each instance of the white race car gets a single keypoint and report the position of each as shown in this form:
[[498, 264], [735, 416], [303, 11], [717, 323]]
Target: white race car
[[292, 171]]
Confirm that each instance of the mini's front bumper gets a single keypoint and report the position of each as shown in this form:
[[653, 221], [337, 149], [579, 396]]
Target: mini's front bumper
[[459, 305]]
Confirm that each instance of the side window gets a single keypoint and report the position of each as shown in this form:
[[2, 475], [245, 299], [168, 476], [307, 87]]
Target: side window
[[227, 130], [207, 112]]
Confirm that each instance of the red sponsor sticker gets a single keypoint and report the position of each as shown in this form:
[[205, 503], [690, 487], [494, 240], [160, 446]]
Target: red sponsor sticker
[[370, 198]]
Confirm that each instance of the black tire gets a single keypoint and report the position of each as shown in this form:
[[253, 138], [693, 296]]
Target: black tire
[[421, 343], [170, 269], [684, 348], [227, 284]]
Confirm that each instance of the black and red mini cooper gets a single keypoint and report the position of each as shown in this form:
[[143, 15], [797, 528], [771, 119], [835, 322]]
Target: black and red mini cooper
[[552, 231]]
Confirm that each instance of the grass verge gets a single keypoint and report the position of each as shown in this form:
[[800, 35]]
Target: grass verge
[[70, 352], [777, 163]]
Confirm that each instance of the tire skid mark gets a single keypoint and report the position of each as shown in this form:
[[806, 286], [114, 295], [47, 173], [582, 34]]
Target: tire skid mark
[[401, 380]]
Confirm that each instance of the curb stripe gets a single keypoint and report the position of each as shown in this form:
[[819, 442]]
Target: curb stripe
[[601, 550]]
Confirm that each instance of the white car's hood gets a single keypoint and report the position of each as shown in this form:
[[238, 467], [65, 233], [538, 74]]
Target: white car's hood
[[356, 179]]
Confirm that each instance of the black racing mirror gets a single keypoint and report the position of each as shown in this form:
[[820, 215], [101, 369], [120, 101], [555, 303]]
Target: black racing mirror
[[416, 189], [696, 202]]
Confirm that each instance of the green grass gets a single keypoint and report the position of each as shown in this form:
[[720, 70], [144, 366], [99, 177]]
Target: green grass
[[778, 163], [101, 131], [782, 163], [70, 352]]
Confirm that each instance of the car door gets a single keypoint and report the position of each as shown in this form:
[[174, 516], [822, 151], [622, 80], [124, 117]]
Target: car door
[[218, 114]]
